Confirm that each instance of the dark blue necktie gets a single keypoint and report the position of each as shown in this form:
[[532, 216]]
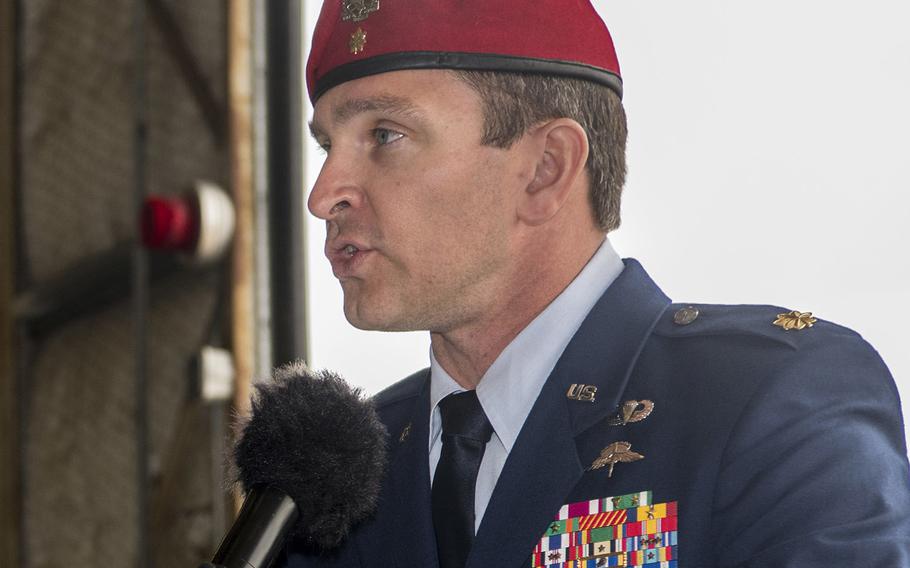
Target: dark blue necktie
[[465, 433]]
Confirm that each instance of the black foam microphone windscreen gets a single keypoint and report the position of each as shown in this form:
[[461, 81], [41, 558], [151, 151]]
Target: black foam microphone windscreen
[[314, 439]]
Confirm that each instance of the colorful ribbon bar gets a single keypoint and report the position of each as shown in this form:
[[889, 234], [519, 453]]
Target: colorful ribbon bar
[[594, 506], [627, 530], [599, 548], [651, 556], [612, 560], [612, 518], [589, 522], [583, 541]]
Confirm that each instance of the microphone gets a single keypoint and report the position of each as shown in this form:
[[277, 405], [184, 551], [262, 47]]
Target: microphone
[[310, 459]]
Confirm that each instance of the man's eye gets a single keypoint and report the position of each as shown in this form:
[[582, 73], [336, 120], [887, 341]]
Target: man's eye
[[385, 136], [324, 145]]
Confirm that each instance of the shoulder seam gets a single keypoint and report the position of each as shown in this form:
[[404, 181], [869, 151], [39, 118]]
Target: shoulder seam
[[726, 333]]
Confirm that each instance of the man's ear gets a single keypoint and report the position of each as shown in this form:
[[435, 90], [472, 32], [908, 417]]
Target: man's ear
[[562, 149]]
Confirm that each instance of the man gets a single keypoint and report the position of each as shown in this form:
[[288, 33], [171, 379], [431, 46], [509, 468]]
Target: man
[[571, 415]]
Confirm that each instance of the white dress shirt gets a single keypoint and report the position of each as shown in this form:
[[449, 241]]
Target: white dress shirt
[[509, 388]]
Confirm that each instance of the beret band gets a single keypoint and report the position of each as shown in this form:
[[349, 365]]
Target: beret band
[[465, 62]]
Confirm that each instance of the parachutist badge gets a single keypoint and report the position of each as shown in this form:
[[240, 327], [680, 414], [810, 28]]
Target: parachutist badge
[[632, 411]]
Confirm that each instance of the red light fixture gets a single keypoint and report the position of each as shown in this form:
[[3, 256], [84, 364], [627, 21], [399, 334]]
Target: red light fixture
[[198, 224], [169, 223]]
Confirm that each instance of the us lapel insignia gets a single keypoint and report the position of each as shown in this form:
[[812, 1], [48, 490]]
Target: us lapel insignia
[[617, 452], [405, 433], [358, 10], [795, 320], [632, 411], [626, 530], [584, 393]]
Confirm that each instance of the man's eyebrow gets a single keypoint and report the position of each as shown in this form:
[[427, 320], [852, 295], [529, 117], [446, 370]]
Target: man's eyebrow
[[391, 104]]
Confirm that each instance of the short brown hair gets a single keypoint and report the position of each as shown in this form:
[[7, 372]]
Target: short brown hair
[[514, 102]]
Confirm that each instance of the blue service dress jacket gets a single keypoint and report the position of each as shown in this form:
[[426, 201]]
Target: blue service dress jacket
[[763, 447]]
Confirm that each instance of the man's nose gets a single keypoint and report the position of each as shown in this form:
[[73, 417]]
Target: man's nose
[[335, 190]]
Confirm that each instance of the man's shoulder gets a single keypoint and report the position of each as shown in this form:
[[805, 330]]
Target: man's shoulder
[[800, 410], [403, 390], [768, 324], [769, 346]]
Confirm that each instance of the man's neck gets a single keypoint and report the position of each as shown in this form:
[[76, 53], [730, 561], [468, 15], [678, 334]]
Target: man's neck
[[468, 351]]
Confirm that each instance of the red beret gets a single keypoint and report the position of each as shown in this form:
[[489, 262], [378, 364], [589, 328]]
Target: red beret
[[356, 38]]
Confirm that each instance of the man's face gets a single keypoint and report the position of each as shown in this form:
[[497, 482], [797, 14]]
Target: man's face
[[419, 215]]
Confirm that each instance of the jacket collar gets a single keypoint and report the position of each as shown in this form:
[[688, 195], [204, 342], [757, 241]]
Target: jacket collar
[[544, 465]]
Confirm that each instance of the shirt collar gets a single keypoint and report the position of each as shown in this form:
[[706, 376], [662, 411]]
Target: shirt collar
[[510, 386]]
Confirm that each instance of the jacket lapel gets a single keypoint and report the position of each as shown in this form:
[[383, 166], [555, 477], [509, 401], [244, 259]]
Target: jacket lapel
[[544, 465], [402, 534]]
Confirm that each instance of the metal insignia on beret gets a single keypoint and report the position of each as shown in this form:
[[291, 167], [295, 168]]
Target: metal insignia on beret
[[358, 41], [617, 452], [358, 10], [795, 320]]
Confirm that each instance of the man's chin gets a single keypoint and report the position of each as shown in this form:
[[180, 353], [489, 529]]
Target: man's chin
[[375, 320]]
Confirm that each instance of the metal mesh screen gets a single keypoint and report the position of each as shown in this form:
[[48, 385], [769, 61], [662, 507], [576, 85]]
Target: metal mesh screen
[[77, 150], [80, 460]]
